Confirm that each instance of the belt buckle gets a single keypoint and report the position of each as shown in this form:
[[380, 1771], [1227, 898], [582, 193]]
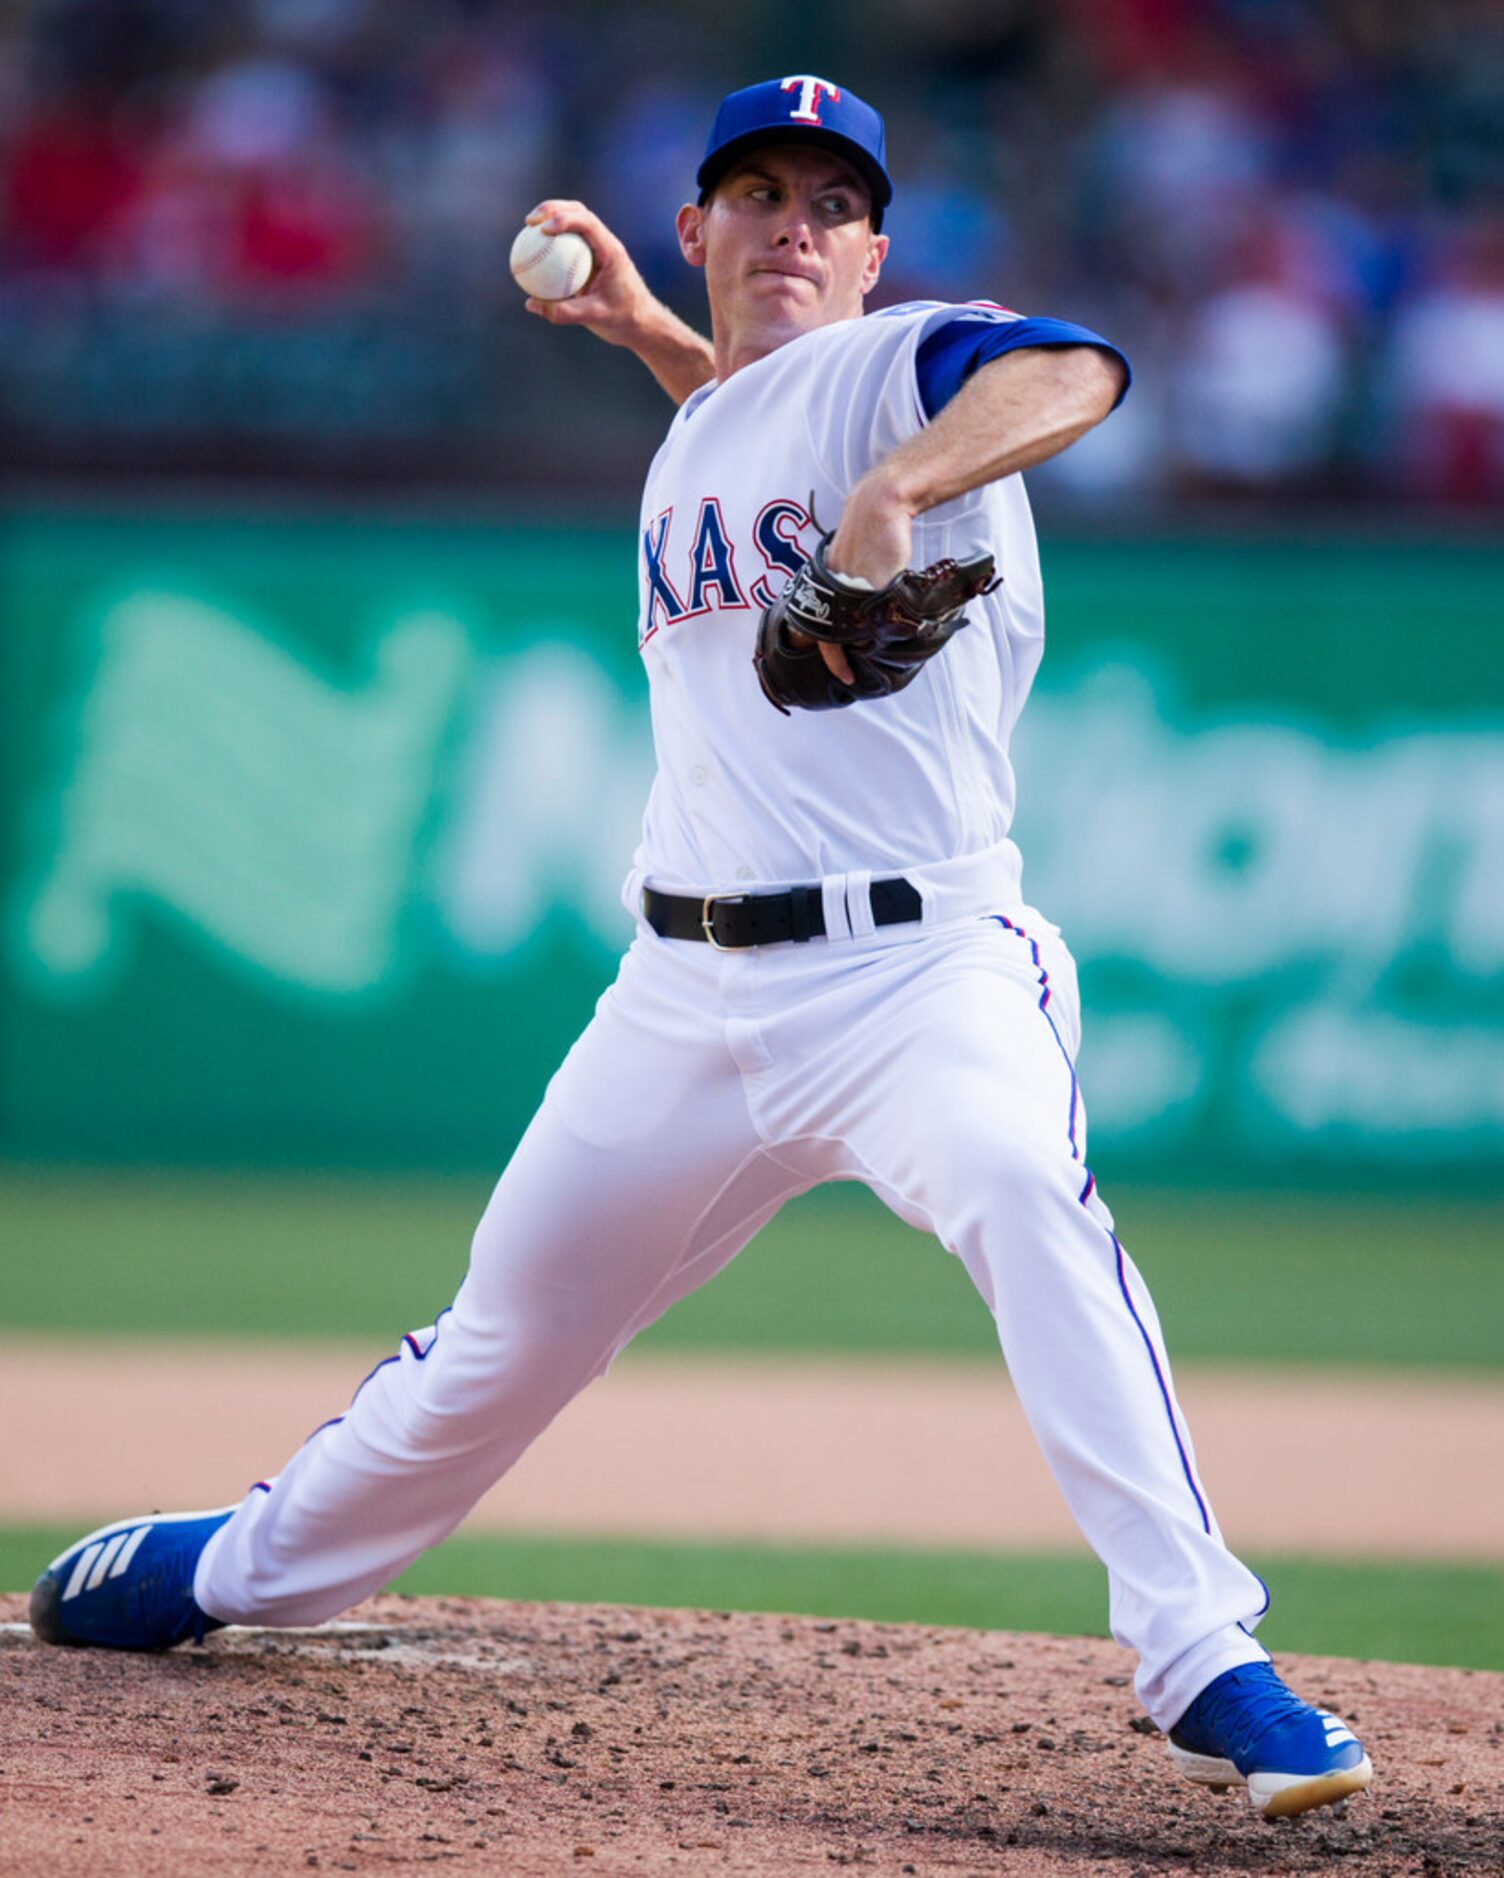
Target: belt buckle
[[707, 919]]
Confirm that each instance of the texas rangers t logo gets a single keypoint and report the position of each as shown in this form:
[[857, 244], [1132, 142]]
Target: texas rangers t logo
[[807, 111]]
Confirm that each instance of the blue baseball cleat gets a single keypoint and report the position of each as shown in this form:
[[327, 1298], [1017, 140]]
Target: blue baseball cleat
[[128, 1586], [1248, 1726]]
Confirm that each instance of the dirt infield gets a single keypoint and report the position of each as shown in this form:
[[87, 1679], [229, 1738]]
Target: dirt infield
[[732, 1448], [539, 1739]]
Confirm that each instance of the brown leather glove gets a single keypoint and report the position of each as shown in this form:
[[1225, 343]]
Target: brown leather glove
[[886, 633]]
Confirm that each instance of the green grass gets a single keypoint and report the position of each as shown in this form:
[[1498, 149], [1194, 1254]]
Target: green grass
[[1311, 1278], [1418, 1613]]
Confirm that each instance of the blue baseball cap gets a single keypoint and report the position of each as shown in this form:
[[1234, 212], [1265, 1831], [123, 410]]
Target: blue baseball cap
[[800, 109]]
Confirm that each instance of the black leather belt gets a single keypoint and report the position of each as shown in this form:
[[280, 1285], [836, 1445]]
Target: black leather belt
[[730, 921]]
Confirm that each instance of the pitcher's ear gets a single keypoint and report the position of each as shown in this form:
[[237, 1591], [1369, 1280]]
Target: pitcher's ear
[[690, 223]]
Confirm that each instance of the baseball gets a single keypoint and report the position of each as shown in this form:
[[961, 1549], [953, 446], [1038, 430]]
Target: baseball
[[550, 267]]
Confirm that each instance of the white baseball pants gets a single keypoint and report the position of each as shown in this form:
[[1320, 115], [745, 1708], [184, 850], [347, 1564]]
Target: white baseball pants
[[936, 1065]]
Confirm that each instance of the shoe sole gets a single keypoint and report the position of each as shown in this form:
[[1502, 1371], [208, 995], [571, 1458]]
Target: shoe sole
[[1283, 1796], [1274, 1796]]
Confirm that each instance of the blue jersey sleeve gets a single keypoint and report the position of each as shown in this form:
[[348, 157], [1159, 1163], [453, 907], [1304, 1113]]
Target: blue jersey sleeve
[[954, 351]]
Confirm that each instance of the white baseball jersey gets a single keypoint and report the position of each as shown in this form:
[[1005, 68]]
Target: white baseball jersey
[[743, 794]]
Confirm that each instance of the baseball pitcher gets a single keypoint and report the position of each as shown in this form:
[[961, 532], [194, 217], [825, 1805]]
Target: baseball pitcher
[[835, 975]]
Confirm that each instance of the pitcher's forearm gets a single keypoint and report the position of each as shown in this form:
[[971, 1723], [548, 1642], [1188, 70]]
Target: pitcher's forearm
[[678, 357], [1015, 412], [618, 306]]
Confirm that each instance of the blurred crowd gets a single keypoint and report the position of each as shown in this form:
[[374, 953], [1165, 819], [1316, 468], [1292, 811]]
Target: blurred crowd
[[273, 233]]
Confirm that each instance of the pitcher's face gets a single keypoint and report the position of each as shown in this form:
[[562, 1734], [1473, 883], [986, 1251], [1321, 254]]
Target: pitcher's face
[[786, 243]]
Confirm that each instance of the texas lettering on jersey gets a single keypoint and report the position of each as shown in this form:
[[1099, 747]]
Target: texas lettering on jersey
[[689, 574]]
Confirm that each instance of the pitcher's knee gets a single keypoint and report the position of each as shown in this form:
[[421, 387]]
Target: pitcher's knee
[[986, 1175], [463, 1386]]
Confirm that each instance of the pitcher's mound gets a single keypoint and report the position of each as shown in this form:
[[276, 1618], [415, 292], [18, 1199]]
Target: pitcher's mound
[[537, 1739]]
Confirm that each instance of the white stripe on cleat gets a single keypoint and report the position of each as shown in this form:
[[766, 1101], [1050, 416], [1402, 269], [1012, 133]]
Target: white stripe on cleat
[[81, 1571], [129, 1552], [105, 1560]]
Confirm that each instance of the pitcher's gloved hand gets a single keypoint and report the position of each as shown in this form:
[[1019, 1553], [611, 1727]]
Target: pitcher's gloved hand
[[887, 633]]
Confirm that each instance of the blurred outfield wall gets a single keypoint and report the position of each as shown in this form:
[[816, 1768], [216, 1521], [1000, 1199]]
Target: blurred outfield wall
[[314, 831]]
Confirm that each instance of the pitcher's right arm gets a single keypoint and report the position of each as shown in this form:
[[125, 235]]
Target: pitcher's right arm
[[617, 305]]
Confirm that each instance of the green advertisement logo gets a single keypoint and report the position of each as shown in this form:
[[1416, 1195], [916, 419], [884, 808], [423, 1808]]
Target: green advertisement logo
[[1299, 935], [216, 779], [376, 837]]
